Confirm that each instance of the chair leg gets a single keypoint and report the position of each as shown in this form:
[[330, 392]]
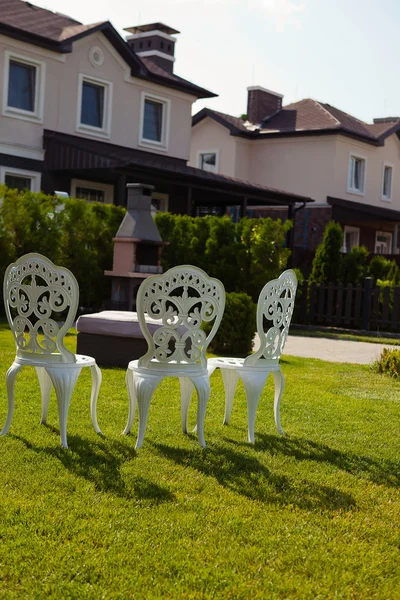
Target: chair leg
[[64, 380], [187, 389], [253, 384], [279, 387], [202, 385], [130, 384], [45, 388], [96, 383], [10, 382], [145, 386], [230, 378]]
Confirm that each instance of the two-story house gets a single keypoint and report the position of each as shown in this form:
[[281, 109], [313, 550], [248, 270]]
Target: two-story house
[[84, 111], [350, 168]]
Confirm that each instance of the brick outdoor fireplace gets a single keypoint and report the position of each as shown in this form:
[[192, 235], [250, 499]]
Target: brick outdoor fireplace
[[137, 248]]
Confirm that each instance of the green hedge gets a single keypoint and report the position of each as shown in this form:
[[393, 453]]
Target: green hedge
[[243, 255], [71, 232], [238, 326]]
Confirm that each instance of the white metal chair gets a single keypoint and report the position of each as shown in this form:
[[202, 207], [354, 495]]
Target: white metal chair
[[35, 290], [275, 303], [181, 300]]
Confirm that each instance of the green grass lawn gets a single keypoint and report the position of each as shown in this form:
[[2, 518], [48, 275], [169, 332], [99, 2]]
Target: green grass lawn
[[351, 337], [311, 515]]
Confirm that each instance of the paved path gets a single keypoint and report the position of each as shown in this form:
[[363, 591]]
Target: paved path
[[362, 353]]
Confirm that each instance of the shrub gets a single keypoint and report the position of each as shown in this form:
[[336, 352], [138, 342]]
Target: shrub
[[70, 232], [327, 261], [238, 326], [379, 268], [388, 363], [354, 266]]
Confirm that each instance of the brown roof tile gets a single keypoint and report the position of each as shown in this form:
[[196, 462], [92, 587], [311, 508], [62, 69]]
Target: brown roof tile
[[33, 19], [305, 116]]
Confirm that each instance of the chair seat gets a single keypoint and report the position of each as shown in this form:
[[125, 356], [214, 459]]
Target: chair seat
[[227, 362], [81, 361], [173, 369]]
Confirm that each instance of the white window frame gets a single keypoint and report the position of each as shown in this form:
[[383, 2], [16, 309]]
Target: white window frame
[[163, 199], [107, 188], [383, 196], [201, 152], [350, 188], [163, 145], [387, 234], [350, 229], [34, 176], [105, 131], [18, 113]]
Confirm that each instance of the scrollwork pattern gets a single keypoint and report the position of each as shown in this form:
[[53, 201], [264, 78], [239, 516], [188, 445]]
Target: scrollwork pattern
[[277, 306], [181, 301], [34, 291]]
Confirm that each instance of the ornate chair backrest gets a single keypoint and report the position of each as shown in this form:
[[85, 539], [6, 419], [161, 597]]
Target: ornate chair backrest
[[275, 303], [35, 291], [181, 300]]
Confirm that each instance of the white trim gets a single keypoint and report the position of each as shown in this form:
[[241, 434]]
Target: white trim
[[163, 145], [254, 88], [144, 34], [350, 189], [107, 188], [156, 53], [40, 69], [22, 151], [34, 176], [198, 159], [389, 244], [96, 50], [383, 197], [105, 131], [350, 229], [32, 50], [163, 199]]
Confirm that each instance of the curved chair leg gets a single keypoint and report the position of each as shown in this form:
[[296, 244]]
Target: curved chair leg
[[279, 387], [45, 388], [253, 384], [64, 380], [10, 382], [96, 383], [202, 385], [130, 384], [187, 389], [145, 386], [230, 378]]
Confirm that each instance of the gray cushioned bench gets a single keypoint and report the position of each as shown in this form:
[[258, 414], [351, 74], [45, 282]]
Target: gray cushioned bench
[[112, 337]]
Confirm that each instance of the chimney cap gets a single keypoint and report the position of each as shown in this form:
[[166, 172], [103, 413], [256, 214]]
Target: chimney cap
[[152, 27], [255, 88]]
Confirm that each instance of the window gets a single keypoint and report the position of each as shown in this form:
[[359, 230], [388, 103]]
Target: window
[[23, 87], [155, 121], [383, 242], [351, 238], [94, 106], [208, 161], [19, 179], [159, 202], [356, 181], [92, 191], [387, 182]]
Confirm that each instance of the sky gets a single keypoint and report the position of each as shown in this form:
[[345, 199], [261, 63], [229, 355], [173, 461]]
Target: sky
[[343, 52]]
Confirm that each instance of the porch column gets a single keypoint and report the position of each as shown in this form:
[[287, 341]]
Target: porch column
[[394, 239], [120, 190], [189, 202], [243, 207]]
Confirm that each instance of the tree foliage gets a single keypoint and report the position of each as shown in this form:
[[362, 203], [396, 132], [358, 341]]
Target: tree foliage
[[326, 265]]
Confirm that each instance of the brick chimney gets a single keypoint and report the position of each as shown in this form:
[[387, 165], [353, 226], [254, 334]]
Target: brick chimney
[[154, 41], [261, 104]]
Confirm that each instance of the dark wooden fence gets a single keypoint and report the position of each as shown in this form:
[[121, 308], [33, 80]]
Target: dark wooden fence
[[363, 306]]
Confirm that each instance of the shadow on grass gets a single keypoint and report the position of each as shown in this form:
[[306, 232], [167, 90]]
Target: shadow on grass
[[100, 463], [382, 471], [248, 477]]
